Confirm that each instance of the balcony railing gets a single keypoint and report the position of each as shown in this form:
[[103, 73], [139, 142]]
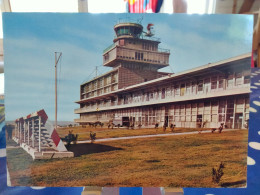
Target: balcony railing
[[147, 56], [166, 99], [164, 50], [109, 47]]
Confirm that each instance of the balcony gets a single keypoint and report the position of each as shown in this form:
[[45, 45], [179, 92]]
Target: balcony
[[175, 98], [159, 57]]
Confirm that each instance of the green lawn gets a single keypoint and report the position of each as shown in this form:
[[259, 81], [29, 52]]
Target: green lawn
[[174, 161]]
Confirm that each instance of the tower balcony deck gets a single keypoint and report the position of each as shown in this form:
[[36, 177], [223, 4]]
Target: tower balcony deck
[[114, 54]]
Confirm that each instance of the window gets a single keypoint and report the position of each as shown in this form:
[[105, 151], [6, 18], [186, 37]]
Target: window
[[188, 88], [247, 79], [147, 97], [182, 89], [238, 79], [163, 93], [200, 85], [221, 82], [214, 83], [177, 90], [121, 42], [139, 56], [194, 87], [230, 80], [207, 84], [151, 95]]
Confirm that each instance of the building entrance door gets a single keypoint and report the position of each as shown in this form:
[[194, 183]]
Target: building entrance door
[[238, 120], [166, 121], [125, 121], [199, 120]]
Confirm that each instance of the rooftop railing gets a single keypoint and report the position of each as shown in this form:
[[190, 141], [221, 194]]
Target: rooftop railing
[[109, 47], [164, 50]]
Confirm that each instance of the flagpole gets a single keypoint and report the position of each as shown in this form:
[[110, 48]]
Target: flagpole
[[56, 99]]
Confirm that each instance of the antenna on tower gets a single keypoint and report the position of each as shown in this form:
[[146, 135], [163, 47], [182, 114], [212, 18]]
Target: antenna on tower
[[56, 100], [140, 20], [96, 71]]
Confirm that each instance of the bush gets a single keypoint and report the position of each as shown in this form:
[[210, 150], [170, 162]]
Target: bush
[[70, 138], [217, 173], [92, 137]]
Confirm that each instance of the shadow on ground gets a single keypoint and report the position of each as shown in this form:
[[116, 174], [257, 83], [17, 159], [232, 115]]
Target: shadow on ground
[[88, 148], [229, 184]]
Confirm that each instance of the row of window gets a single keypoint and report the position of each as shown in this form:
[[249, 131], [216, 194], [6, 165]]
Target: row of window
[[142, 56], [149, 46], [100, 91], [181, 89], [214, 111], [101, 82]]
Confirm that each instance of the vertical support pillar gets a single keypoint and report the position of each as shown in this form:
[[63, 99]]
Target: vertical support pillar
[[226, 112], [16, 126], [203, 111], [218, 114], [244, 115], [190, 123], [33, 131], [17, 134], [210, 113], [196, 123], [39, 134], [28, 133], [20, 134], [234, 113], [24, 124], [15, 130]]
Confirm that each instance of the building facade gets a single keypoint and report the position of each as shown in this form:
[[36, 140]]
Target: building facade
[[134, 89]]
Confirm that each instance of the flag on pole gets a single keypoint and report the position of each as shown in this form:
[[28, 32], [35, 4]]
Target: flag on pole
[[144, 6]]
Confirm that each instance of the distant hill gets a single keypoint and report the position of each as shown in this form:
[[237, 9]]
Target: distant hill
[[64, 123]]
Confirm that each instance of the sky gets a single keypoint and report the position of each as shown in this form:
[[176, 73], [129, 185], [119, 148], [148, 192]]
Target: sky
[[30, 40]]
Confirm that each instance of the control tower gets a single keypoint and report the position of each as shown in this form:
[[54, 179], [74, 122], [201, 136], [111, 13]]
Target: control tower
[[134, 58], [136, 54]]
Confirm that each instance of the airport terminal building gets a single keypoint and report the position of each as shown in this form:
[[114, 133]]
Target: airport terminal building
[[134, 89]]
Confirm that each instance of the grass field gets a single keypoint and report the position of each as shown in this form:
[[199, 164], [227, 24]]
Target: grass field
[[174, 161], [117, 132]]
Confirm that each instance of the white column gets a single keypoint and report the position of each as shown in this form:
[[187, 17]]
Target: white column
[[39, 133], [24, 124], [33, 130], [28, 133], [234, 113], [18, 131], [20, 127], [244, 116], [226, 112], [218, 115], [15, 129]]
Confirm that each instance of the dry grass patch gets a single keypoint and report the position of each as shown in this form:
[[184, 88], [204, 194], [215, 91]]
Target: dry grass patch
[[104, 132], [174, 161]]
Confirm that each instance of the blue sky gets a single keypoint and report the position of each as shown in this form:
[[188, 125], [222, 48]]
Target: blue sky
[[30, 40]]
